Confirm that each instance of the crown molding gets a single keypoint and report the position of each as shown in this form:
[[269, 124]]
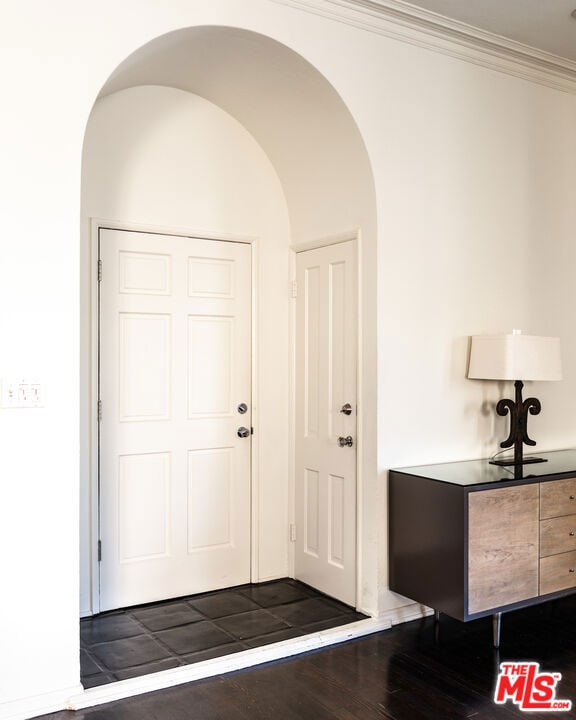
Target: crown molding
[[405, 22]]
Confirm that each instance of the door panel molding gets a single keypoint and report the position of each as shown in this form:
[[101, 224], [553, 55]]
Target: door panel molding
[[97, 224], [334, 487]]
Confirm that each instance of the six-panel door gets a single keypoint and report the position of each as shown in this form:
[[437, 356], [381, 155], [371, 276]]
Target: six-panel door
[[175, 353]]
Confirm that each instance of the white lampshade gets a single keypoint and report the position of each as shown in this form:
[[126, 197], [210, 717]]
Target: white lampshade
[[515, 357]]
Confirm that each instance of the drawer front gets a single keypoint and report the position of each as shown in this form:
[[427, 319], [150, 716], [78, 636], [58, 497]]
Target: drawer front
[[557, 497], [557, 535], [557, 572]]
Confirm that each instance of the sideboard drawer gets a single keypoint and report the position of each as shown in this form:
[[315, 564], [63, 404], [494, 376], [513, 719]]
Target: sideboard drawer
[[557, 572], [557, 498], [557, 535]]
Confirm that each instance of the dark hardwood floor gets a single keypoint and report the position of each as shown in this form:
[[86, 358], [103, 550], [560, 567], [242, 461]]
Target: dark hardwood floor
[[415, 671]]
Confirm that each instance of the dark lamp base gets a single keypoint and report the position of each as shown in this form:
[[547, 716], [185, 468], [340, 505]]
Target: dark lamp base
[[518, 410], [524, 461]]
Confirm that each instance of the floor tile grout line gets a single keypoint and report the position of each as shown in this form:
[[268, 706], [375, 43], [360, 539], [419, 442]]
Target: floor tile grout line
[[153, 634], [243, 642], [172, 653], [227, 615], [281, 618], [97, 662], [184, 600], [128, 667], [147, 633], [158, 640]]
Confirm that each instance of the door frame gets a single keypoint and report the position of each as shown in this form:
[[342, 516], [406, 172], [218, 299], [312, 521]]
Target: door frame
[[356, 237], [97, 224]]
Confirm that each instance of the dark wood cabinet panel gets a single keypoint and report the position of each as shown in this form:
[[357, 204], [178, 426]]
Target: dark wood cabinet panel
[[469, 539], [426, 526]]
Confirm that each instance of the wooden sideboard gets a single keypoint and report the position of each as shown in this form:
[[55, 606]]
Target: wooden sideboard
[[471, 539]]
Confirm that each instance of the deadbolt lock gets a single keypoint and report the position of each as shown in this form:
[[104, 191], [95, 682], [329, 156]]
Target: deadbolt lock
[[347, 441], [242, 408], [346, 409]]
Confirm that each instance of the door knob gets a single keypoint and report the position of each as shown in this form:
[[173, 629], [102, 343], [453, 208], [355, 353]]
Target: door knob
[[346, 441], [346, 409], [243, 432]]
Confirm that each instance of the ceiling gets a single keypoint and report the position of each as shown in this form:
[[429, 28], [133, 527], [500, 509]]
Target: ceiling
[[542, 24]]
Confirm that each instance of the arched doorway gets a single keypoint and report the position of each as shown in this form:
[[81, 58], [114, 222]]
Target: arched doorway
[[224, 133]]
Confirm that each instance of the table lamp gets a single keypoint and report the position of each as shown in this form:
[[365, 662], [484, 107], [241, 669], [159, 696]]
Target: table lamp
[[516, 357]]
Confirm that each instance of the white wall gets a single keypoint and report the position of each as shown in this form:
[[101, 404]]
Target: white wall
[[551, 286], [474, 171], [158, 157], [467, 227]]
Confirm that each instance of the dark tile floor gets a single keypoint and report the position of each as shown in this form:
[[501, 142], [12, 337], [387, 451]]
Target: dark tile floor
[[132, 642]]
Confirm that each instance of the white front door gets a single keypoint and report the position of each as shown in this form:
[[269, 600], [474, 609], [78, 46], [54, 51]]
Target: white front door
[[326, 357], [174, 371]]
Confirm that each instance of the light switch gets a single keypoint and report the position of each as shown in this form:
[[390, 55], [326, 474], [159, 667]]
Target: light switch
[[23, 393], [35, 394], [9, 396], [20, 393]]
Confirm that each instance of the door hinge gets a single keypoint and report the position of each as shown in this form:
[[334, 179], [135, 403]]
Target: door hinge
[[99, 550], [292, 532], [99, 270], [294, 288], [99, 410]]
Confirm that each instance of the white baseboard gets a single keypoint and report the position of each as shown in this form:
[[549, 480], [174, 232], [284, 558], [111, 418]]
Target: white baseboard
[[406, 613], [38, 704]]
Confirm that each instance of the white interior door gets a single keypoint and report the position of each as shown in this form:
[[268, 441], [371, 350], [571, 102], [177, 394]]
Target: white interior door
[[175, 365], [326, 358]]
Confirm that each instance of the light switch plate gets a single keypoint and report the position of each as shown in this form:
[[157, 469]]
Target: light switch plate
[[20, 393]]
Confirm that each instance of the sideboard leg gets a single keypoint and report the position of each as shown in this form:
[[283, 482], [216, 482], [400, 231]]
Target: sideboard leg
[[496, 624], [437, 615]]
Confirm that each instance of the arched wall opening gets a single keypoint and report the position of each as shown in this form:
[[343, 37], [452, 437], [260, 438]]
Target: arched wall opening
[[223, 131]]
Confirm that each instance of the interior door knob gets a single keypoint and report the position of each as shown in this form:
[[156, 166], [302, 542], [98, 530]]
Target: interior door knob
[[346, 441], [243, 432]]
